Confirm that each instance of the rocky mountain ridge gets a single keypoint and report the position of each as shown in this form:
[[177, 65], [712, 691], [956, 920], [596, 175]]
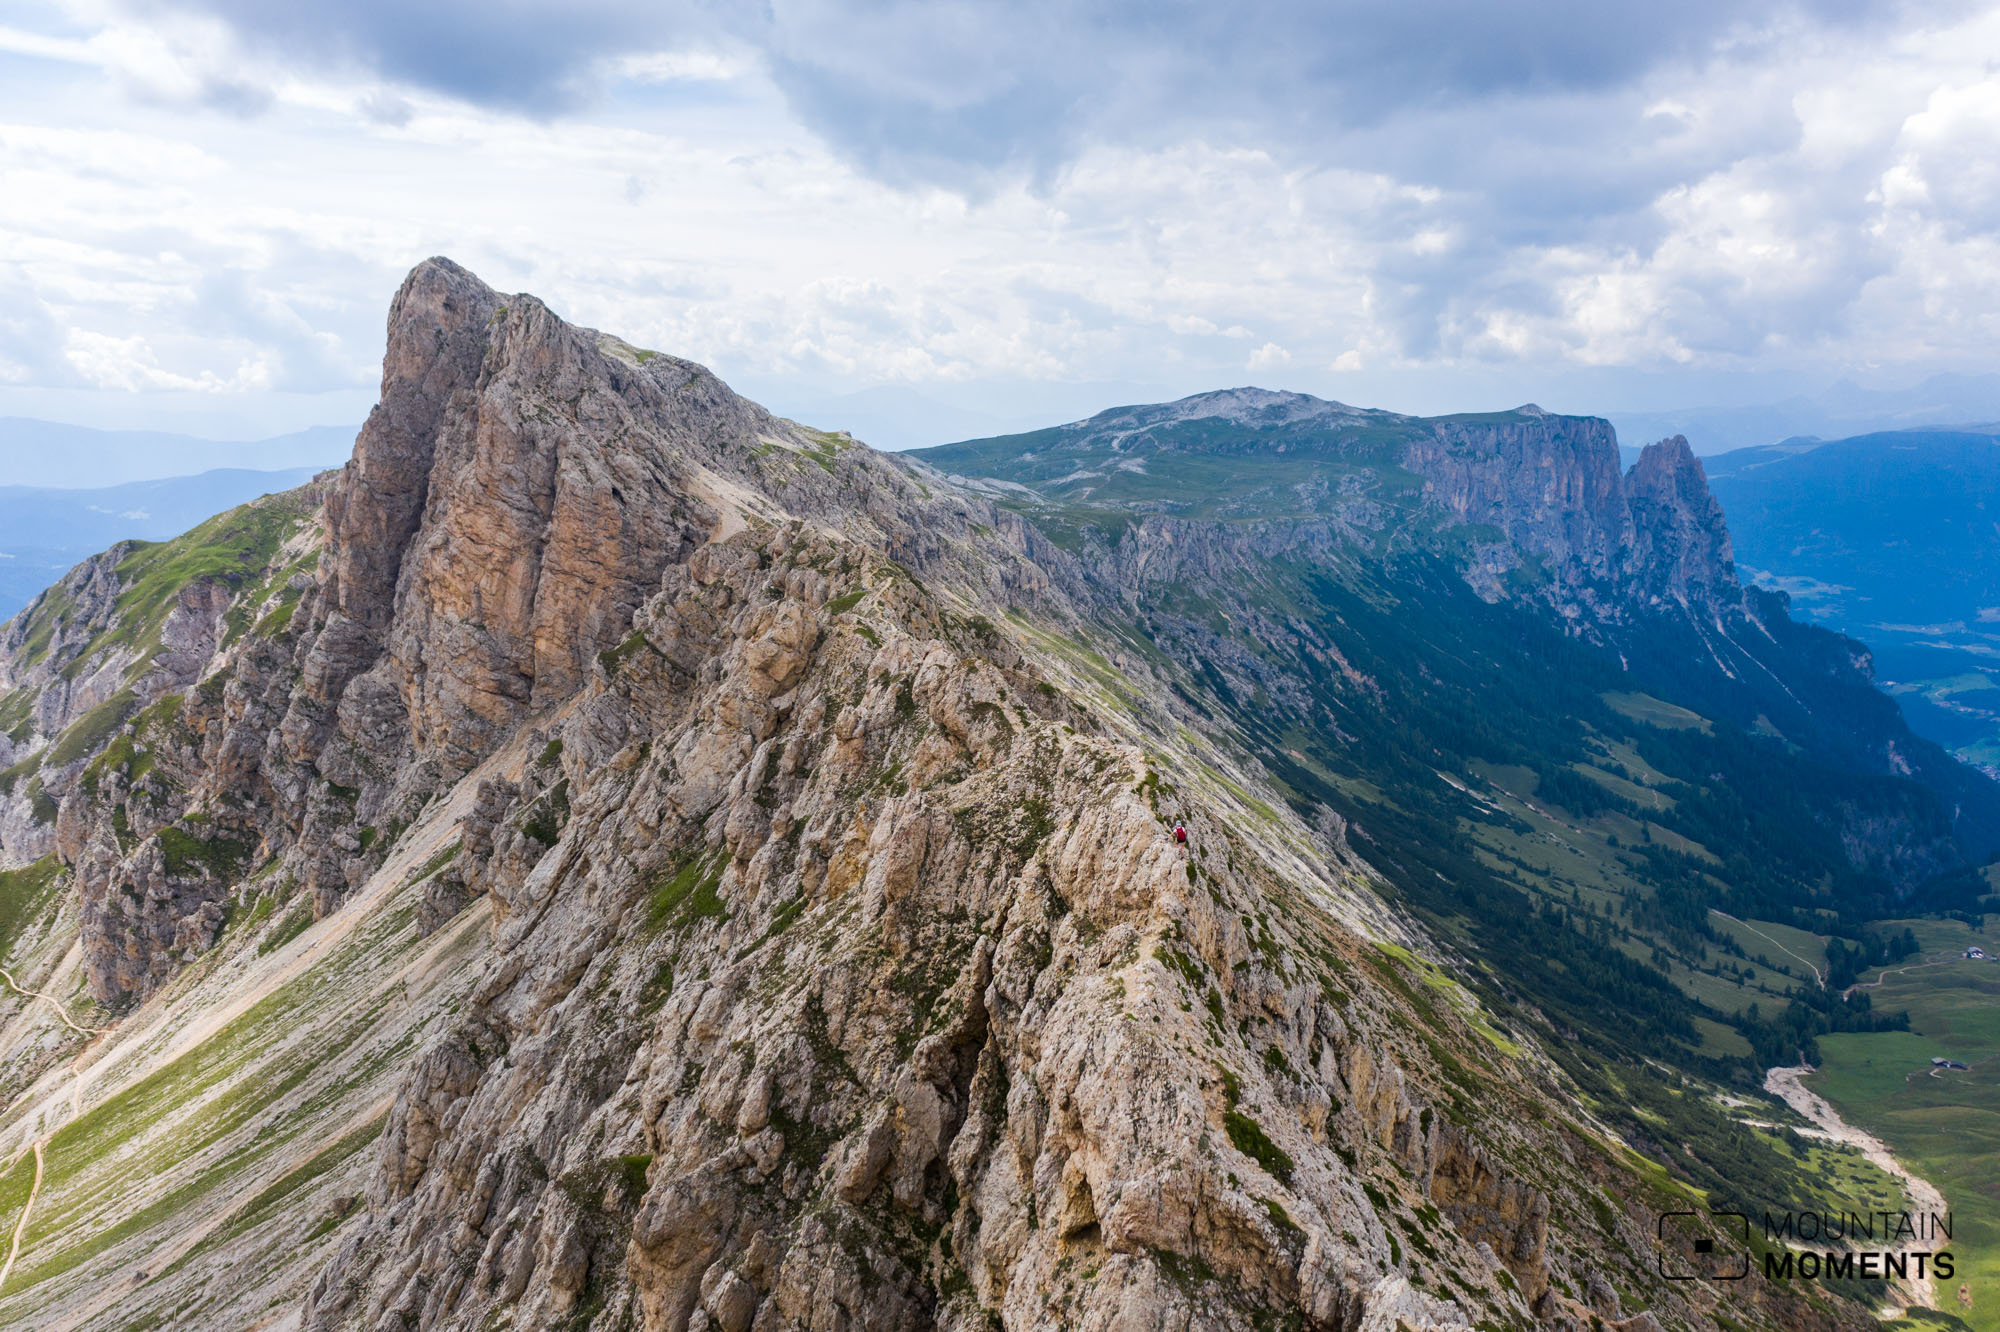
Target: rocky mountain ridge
[[1525, 506], [1551, 485], [759, 848]]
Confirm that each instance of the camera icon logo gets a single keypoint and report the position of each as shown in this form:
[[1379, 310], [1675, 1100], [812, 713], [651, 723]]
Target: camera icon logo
[[1704, 1246]]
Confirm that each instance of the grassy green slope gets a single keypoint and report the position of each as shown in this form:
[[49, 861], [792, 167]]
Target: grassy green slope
[[216, 1132], [233, 548], [1199, 468]]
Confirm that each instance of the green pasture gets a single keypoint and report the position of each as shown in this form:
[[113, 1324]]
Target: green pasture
[[1945, 1127]]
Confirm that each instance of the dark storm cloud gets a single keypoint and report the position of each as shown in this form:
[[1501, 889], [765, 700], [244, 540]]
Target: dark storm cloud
[[501, 53], [1349, 189], [930, 90], [913, 88]]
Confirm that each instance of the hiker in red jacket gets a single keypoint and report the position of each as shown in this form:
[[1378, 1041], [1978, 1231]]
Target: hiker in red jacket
[[1180, 836]]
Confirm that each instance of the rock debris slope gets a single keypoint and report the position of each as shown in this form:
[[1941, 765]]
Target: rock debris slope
[[663, 867]]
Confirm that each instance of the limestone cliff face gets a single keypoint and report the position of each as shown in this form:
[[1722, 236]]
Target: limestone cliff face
[[479, 552], [1680, 548], [844, 978], [1532, 497], [519, 491], [1613, 546], [1550, 483]]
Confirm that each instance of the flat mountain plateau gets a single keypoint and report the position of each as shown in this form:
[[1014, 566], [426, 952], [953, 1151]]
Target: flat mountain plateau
[[609, 857]]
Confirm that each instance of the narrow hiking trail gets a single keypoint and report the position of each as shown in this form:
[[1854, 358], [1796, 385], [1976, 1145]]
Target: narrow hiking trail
[[1788, 1084], [35, 1188], [21, 1226], [1819, 976], [75, 1098], [53, 1002], [1893, 971]]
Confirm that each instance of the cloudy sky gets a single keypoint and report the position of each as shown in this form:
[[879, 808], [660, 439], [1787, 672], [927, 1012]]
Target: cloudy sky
[[1012, 212]]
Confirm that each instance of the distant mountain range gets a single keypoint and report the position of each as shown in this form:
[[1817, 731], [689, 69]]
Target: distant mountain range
[[1893, 538], [899, 417], [44, 530], [50, 453], [895, 417], [1843, 411]]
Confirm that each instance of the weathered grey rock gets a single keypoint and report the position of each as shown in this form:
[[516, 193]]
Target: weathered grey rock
[[1680, 548]]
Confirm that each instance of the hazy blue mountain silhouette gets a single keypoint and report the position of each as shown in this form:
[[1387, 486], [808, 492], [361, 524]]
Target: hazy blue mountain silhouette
[[45, 530]]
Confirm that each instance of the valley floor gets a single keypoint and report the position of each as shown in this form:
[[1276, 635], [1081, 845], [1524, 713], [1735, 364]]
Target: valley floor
[[1923, 1196], [1943, 1124]]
